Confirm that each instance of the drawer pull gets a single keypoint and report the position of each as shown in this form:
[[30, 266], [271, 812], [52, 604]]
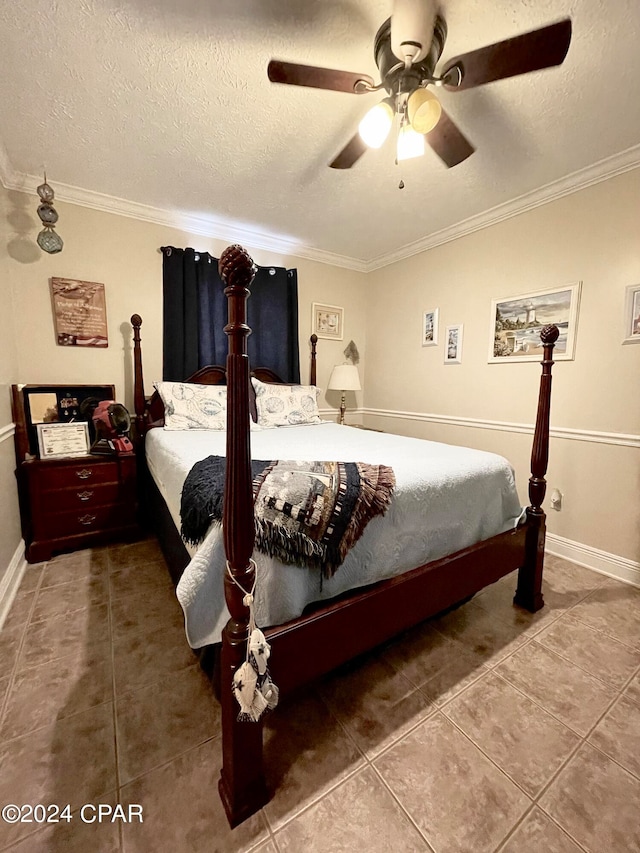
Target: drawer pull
[[84, 496], [84, 473], [87, 519]]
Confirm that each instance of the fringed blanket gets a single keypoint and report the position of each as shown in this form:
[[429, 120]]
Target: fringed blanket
[[306, 513]]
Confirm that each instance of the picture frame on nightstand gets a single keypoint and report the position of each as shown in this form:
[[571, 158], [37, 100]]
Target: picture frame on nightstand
[[58, 440]]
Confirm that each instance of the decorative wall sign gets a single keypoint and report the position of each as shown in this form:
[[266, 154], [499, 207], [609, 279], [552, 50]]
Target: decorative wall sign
[[453, 344], [516, 323], [430, 328], [326, 321], [632, 315], [79, 313]]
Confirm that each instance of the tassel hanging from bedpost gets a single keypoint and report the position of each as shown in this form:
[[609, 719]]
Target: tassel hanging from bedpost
[[242, 786], [529, 591]]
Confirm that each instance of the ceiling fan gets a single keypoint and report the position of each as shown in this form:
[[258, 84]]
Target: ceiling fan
[[406, 48]]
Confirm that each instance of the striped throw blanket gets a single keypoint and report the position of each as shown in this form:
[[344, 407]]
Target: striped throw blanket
[[306, 513]]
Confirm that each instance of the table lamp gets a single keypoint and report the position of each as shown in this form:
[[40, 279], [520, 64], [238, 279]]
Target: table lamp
[[344, 377]]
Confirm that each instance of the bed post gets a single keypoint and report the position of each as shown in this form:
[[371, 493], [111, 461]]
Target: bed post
[[138, 382], [312, 370], [242, 786], [529, 591]]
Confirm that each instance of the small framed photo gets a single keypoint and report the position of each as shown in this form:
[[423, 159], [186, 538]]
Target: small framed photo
[[453, 344], [327, 321], [632, 315], [430, 328], [60, 439]]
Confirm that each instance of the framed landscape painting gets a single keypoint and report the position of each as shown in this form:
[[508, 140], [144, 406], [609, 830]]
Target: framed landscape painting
[[516, 322]]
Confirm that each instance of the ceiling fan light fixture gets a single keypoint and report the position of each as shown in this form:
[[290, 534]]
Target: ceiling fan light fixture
[[410, 143], [375, 126], [423, 110]]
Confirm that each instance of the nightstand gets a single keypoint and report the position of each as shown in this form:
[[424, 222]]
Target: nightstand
[[69, 502], [72, 503]]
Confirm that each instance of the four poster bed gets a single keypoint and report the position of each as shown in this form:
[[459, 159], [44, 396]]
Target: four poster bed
[[305, 645]]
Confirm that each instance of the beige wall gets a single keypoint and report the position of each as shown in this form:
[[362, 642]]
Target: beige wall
[[589, 236], [123, 254], [10, 225]]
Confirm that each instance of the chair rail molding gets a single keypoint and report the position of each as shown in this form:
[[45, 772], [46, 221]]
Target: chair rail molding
[[574, 433], [7, 431]]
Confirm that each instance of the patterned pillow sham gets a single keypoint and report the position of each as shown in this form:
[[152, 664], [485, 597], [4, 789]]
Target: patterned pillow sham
[[191, 406], [286, 405]]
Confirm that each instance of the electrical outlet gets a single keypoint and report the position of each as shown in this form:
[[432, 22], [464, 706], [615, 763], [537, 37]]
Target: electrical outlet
[[556, 500]]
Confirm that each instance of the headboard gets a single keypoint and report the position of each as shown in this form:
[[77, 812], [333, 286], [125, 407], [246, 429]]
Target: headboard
[[150, 412]]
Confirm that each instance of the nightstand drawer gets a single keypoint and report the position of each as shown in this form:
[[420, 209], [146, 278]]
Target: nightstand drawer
[[85, 473], [57, 525], [84, 495]]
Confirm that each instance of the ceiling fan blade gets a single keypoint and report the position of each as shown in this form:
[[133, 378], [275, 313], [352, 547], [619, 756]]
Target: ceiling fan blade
[[317, 78], [352, 151], [448, 141], [532, 51]]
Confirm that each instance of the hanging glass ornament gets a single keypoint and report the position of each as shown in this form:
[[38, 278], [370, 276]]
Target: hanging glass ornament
[[47, 239]]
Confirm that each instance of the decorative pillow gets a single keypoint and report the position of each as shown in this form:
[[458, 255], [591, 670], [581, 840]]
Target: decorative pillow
[[286, 405], [191, 406]]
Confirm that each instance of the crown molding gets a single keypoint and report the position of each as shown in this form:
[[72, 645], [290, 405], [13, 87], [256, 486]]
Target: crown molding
[[227, 230], [212, 227], [583, 178]]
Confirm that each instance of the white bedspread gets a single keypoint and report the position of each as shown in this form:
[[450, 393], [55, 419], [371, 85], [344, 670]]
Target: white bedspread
[[446, 498]]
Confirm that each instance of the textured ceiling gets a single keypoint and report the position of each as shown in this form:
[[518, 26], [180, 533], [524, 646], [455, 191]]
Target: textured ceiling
[[167, 104]]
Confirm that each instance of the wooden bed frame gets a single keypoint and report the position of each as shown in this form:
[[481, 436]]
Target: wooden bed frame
[[335, 631]]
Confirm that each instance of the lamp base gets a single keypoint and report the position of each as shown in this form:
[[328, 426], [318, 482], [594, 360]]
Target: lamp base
[[343, 407]]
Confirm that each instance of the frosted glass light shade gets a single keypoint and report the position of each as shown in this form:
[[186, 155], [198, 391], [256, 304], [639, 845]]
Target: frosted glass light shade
[[344, 377], [423, 110], [375, 126], [410, 143]]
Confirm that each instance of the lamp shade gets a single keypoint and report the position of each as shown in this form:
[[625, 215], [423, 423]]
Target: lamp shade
[[344, 377]]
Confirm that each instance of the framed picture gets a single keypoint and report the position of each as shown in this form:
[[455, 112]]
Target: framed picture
[[453, 344], [632, 315], [57, 439], [430, 328], [79, 313], [327, 321], [516, 322]]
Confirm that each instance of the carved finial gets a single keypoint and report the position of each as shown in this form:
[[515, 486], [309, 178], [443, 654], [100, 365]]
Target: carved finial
[[136, 321], [314, 338], [236, 267], [549, 334]]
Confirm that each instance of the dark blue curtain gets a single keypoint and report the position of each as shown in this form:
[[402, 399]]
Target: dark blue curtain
[[195, 312]]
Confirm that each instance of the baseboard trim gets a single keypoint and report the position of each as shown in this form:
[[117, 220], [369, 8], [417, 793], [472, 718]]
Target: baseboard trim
[[602, 562], [11, 580]]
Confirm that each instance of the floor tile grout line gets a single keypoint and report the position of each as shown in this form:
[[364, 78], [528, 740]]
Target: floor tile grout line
[[168, 761], [314, 801], [114, 707], [582, 742], [581, 667], [429, 847], [468, 737], [529, 811], [538, 703], [607, 634], [14, 668]]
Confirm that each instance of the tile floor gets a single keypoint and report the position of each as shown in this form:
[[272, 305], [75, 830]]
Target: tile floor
[[486, 729]]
